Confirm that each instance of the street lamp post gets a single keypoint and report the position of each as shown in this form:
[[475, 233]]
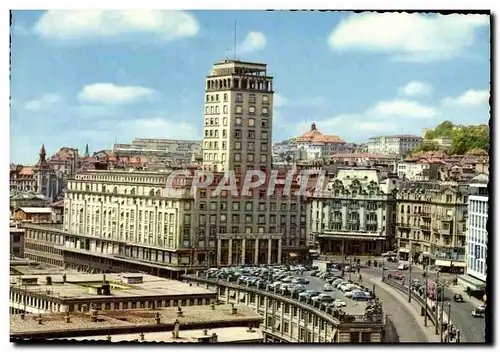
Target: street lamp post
[[350, 268], [449, 321], [442, 310], [409, 278], [426, 293], [436, 303]]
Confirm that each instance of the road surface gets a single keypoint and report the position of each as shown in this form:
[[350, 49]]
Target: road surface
[[471, 329]]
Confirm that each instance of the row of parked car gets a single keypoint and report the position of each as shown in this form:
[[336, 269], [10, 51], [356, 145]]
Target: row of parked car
[[349, 289], [279, 279]]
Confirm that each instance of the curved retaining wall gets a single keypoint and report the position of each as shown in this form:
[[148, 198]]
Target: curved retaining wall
[[288, 320]]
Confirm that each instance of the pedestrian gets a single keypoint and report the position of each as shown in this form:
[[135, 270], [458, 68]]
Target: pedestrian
[[360, 277]]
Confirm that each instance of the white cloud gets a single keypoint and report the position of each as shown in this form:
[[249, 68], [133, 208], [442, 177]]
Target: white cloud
[[281, 101], [88, 24], [408, 37], [45, 102], [20, 29], [108, 93], [471, 98], [254, 41], [416, 88], [403, 108]]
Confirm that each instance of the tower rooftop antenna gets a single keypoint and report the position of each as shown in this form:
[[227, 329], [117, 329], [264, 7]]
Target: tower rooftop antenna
[[234, 51]]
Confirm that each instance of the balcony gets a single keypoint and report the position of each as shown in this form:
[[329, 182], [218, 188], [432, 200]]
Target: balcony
[[425, 227], [407, 226]]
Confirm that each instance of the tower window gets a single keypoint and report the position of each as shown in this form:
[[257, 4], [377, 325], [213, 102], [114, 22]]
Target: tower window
[[251, 98], [239, 97], [225, 96], [239, 109], [251, 109]]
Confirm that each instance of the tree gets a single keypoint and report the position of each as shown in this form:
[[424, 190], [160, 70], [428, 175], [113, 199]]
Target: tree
[[471, 137], [425, 147]]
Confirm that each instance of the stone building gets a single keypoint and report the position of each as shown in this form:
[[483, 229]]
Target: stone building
[[315, 145], [48, 181], [431, 223], [477, 234], [238, 117], [133, 217], [394, 145], [355, 214]]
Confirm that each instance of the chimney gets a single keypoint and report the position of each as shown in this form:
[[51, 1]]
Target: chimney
[[141, 336], [104, 278], [175, 333], [250, 329], [158, 320], [205, 332], [48, 280], [68, 320], [214, 337], [108, 338], [179, 311], [64, 278], [39, 319], [233, 309], [213, 305]]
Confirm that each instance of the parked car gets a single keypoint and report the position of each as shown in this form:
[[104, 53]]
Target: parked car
[[396, 276], [403, 266], [339, 303], [392, 259], [327, 287], [350, 293], [361, 296], [458, 298], [322, 298]]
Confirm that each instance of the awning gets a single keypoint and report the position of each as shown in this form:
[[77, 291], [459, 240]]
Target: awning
[[471, 282], [292, 254], [313, 251], [404, 250], [459, 264], [442, 262]]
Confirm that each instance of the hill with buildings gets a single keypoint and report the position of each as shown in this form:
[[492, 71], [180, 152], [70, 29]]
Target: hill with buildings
[[456, 139]]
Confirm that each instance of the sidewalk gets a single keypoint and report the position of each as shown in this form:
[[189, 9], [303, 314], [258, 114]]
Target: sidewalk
[[413, 308]]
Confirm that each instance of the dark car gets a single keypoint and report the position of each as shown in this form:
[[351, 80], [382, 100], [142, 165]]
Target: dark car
[[458, 298]]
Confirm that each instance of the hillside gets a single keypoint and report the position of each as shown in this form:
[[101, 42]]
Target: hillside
[[465, 138]]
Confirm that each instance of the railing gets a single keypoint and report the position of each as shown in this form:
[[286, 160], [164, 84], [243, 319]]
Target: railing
[[315, 307], [422, 301]]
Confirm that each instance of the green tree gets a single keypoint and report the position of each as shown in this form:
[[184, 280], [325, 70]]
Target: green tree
[[426, 147], [471, 137], [444, 129]]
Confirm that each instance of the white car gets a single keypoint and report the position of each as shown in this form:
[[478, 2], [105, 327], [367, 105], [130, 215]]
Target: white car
[[341, 283], [403, 266], [328, 287], [349, 293], [345, 288], [336, 282], [339, 303]]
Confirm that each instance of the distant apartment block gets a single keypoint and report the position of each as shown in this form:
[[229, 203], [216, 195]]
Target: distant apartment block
[[395, 144], [477, 236]]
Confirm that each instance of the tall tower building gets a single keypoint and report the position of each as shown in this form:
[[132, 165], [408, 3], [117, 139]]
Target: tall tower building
[[238, 117]]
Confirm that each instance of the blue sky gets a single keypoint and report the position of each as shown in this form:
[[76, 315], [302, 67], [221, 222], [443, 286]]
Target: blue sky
[[98, 77]]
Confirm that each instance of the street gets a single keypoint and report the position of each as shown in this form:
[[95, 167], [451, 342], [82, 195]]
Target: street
[[471, 329]]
